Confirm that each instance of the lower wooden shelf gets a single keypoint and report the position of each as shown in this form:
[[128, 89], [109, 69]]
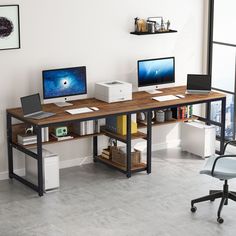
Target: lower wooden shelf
[[136, 168]]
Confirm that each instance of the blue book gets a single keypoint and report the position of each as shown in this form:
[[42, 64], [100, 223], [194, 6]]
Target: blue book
[[111, 123]]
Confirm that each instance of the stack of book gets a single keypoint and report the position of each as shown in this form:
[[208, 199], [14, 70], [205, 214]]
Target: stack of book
[[88, 127], [106, 153], [61, 138], [183, 112], [117, 124], [26, 139]]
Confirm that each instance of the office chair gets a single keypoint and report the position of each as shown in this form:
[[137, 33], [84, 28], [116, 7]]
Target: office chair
[[224, 168]]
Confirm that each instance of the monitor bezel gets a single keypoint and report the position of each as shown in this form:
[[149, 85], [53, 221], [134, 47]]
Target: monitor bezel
[[156, 59], [64, 96]]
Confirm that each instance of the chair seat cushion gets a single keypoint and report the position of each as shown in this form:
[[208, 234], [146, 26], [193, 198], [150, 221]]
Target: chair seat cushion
[[225, 167]]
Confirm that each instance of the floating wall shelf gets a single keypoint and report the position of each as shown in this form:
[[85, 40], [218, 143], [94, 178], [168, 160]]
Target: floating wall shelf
[[147, 33]]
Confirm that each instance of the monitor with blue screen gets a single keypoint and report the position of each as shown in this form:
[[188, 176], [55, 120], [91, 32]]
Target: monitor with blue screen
[[60, 85], [154, 72]]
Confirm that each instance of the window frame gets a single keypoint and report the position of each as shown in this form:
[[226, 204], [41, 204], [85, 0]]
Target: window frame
[[211, 42]]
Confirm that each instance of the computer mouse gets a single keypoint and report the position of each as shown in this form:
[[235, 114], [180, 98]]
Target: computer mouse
[[94, 108], [180, 96]]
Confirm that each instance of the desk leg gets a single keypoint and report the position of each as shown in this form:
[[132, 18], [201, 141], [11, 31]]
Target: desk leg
[[208, 112], [40, 160], [128, 146], [95, 148], [222, 135], [9, 145], [149, 142]]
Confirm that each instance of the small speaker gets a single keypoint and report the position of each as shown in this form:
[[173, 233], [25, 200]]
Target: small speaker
[[61, 131]]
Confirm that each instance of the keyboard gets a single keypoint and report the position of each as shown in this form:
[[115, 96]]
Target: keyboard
[[79, 110], [165, 98]]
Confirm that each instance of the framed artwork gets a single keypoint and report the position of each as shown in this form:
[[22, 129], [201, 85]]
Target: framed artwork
[[9, 27]]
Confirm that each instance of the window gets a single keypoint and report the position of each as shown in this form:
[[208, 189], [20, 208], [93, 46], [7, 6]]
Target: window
[[222, 59]]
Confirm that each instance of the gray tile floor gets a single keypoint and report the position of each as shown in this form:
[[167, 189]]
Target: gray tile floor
[[96, 200]]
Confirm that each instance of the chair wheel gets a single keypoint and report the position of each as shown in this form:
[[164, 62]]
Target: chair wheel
[[220, 220], [193, 209], [212, 200]]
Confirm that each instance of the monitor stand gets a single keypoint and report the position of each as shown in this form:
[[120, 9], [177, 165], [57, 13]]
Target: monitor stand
[[154, 91], [63, 104]]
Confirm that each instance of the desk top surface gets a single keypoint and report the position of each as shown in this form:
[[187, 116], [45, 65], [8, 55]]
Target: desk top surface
[[141, 101]]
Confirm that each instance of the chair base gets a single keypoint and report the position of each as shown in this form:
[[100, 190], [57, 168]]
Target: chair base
[[214, 194]]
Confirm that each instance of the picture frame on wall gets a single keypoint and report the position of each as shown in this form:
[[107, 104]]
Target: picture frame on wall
[[9, 27]]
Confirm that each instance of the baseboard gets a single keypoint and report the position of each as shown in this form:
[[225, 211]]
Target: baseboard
[[76, 162], [4, 175], [63, 164], [165, 145], [86, 160]]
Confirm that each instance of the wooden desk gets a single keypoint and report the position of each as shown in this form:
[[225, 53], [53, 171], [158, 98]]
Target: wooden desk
[[141, 102]]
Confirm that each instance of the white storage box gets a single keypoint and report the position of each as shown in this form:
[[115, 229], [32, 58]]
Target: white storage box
[[198, 138], [50, 170], [113, 91]]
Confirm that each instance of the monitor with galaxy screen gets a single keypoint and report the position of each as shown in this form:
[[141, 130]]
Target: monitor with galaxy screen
[[154, 72], [61, 85]]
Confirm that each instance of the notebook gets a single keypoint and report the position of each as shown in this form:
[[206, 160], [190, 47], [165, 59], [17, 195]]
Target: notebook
[[198, 84], [32, 107]]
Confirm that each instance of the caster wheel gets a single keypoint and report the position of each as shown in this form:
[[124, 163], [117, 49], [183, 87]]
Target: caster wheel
[[193, 209], [220, 220], [212, 200]]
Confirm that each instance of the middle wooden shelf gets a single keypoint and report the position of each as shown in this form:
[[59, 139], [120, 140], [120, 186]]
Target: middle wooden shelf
[[172, 121], [122, 138]]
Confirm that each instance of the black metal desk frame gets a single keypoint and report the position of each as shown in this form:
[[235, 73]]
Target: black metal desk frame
[[38, 156]]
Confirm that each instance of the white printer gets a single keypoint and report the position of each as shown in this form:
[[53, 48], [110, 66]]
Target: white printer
[[113, 91]]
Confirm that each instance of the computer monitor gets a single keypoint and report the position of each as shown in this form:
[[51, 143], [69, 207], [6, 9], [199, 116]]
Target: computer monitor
[[66, 84], [154, 72]]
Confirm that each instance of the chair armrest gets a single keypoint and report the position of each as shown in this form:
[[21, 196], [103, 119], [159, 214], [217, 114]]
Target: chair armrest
[[227, 143], [219, 157]]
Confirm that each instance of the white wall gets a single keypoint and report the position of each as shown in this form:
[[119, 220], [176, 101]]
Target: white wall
[[60, 33]]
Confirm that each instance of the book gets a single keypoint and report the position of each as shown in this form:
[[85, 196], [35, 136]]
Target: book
[[111, 123], [89, 127], [62, 137], [105, 156], [96, 126], [190, 111], [26, 139], [122, 125], [106, 151], [28, 142], [46, 134]]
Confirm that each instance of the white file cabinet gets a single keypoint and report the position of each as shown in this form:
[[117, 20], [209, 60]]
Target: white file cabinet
[[198, 138], [50, 170]]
